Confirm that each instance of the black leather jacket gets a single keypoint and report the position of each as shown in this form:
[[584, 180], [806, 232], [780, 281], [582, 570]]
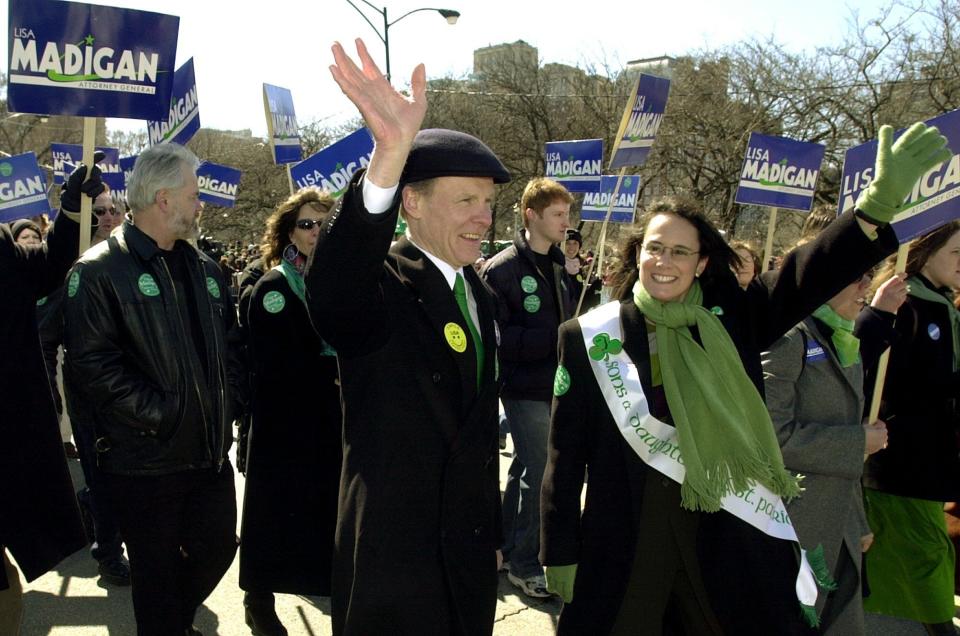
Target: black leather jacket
[[130, 363]]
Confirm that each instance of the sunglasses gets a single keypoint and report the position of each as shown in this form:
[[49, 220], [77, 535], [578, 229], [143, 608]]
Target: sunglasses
[[101, 211], [308, 224]]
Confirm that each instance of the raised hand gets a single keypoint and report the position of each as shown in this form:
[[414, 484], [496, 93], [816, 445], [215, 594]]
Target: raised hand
[[891, 294], [393, 118]]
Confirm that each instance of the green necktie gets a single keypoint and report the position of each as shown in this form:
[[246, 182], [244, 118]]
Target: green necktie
[[460, 292]]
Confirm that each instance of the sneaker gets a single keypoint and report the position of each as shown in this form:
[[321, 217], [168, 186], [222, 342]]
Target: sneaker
[[533, 586], [115, 570]]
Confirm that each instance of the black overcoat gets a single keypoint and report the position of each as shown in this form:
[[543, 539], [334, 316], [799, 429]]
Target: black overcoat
[[748, 577], [419, 513], [293, 463], [39, 520], [920, 408]]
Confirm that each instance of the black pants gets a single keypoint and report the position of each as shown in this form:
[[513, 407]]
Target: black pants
[[180, 532], [107, 542]]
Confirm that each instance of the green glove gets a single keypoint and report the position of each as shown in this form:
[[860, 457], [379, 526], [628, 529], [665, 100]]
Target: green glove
[[898, 167], [560, 580]]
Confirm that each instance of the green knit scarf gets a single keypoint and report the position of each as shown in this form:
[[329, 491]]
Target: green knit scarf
[[919, 289], [725, 434], [845, 343]]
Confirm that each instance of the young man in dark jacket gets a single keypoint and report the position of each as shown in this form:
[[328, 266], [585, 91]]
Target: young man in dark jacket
[[146, 323], [535, 295]]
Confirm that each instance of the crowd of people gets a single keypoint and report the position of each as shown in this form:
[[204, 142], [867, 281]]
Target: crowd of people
[[716, 415]]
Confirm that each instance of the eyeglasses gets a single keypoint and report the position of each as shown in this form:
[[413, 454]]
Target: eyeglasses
[[308, 224], [101, 211], [679, 253]]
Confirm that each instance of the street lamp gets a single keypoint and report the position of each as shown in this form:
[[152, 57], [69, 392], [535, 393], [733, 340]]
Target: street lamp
[[449, 14]]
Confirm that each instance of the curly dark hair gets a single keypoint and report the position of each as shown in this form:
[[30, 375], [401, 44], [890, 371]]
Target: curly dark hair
[[712, 244], [281, 222]]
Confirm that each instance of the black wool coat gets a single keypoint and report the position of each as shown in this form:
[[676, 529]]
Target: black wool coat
[[39, 520], [293, 462], [919, 406], [419, 510], [748, 577]]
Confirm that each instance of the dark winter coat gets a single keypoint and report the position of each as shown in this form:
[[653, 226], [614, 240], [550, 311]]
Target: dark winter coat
[[419, 513], [530, 313], [130, 363], [293, 465], [920, 409], [39, 520], [748, 577]]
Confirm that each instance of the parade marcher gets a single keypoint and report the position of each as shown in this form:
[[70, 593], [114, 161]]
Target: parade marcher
[[813, 378], [39, 520], [413, 327], [294, 446], [672, 376], [911, 564], [146, 350], [26, 233], [106, 545], [534, 293], [252, 272], [749, 267]]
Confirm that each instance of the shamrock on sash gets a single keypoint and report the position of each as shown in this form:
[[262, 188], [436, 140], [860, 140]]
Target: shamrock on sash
[[603, 346]]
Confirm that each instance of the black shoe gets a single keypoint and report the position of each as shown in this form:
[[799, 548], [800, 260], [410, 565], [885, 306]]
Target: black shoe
[[263, 621], [115, 570], [192, 631]]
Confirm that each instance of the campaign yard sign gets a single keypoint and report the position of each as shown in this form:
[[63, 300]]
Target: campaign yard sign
[[282, 124], [23, 191], [332, 168], [577, 165], [935, 199], [126, 166], [641, 121], [779, 173], [67, 156], [218, 184], [595, 204], [183, 120], [70, 58], [116, 183]]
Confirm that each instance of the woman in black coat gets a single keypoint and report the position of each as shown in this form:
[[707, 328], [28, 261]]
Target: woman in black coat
[[635, 559], [294, 449], [911, 565]]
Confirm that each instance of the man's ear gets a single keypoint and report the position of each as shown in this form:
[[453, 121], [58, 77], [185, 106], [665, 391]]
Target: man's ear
[[411, 202]]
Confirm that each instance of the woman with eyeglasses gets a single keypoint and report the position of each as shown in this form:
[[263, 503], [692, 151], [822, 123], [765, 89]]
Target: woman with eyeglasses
[[294, 447], [659, 396], [911, 564]]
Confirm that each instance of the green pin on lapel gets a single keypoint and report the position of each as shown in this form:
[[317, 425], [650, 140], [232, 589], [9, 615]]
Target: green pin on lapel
[[148, 286], [561, 381]]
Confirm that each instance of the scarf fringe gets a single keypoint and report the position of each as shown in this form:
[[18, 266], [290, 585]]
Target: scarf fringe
[[704, 493], [820, 570], [809, 614]]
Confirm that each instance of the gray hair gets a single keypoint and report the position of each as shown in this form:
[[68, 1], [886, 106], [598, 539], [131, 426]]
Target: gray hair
[[158, 168]]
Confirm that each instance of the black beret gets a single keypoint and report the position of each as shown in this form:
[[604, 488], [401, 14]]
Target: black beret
[[574, 235], [438, 152], [17, 227]]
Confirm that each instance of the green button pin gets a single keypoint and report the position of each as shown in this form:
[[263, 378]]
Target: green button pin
[[528, 284], [274, 302], [531, 304], [148, 286]]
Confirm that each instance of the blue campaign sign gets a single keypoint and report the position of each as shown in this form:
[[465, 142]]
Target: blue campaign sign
[[116, 183], [595, 204], [779, 172], [578, 165], [641, 121], [69, 58], [934, 199], [67, 156], [332, 168], [218, 184], [126, 166], [282, 124], [23, 191], [183, 120]]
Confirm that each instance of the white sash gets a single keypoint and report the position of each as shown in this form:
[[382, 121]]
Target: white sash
[[655, 442]]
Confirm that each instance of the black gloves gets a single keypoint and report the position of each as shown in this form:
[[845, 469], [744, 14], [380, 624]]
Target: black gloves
[[75, 185]]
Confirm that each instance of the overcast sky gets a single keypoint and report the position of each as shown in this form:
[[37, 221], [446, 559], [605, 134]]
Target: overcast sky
[[287, 43]]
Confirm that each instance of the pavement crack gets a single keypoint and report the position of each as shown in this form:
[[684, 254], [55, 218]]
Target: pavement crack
[[508, 615]]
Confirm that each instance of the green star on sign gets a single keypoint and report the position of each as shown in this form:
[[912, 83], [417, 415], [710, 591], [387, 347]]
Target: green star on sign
[[88, 40]]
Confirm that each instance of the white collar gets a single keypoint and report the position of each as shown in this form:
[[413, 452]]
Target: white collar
[[449, 273]]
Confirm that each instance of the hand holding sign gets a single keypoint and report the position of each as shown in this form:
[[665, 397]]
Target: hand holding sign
[[78, 184], [393, 118], [898, 166]]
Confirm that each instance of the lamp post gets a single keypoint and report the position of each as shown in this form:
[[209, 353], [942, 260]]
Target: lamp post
[[449, 14]]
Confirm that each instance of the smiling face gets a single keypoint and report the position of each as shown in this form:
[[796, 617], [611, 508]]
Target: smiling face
[[107, 215], [667, 277], [850, 300], [450, 216], [571, 248], [943, 267]]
